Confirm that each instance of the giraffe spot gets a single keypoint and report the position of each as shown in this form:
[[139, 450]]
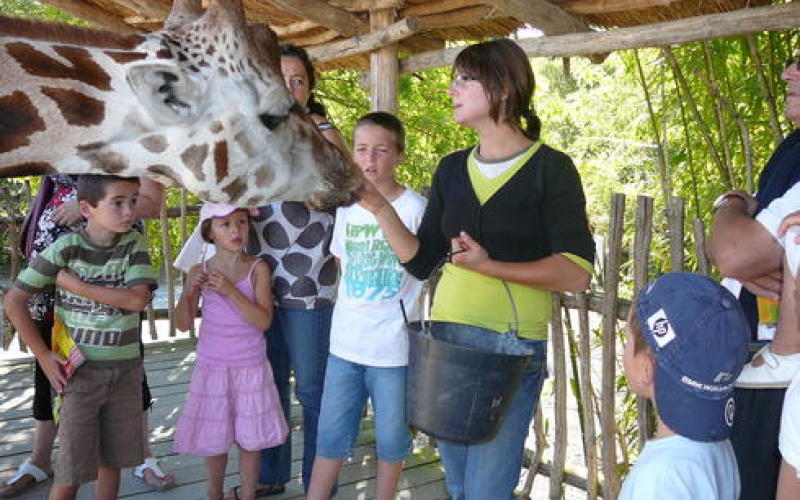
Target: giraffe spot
[[252, 201], [164, 53], [194, 68], [210, 50], [235, 189], [296, 213], [77, 108], [154, 143], [221, 60], [311, 236], [297, 264], [221, 160], [223, 72], [125, 57], [19, 119], [82, 69], [109, 162], [263, 177], [328, 273], [216, 127], [304, 287], [26, 169], [203, 64], [92, 146], [194, 157], [245, 145], [165, 171], [276, 236]]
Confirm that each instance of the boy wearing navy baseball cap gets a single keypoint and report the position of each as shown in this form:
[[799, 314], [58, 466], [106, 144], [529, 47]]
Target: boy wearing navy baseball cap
[[686, 344]]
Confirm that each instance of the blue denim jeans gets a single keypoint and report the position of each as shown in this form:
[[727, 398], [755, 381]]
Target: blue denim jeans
[[491, 469], [348, 386], [298, 339]]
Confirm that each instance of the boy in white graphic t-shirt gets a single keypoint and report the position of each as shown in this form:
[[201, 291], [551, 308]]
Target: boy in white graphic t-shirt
[[369, 347]]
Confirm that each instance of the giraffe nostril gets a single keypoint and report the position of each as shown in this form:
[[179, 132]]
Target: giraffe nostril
[[272, 121], [165, 88], [168, 77]]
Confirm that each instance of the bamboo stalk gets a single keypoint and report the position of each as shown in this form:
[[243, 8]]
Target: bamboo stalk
[[541, 444], [675, 218], [560, 403], [662, 160], [755, 54], [149, 312], [184, 236], [698, 227], [689, 159], [717, 107], [609, 328], [167, 262], [726, 175], [589, 434], [642, 238]]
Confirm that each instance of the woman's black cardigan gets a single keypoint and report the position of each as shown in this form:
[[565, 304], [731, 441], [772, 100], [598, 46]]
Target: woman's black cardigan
[[538, 212]]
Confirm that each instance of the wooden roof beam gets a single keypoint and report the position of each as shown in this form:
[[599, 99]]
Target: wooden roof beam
[[366, 43], [147, 8], [95, 15], [541, 14], [321, 12], [739, 22], [587, 7], [364, 5], [294, 29]]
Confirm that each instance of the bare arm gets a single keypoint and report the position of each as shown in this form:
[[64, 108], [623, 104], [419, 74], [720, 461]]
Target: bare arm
[[16, 306], [740, 246], [788, 483], [555, 273], [257, 313], [131, 299], [186, 309]]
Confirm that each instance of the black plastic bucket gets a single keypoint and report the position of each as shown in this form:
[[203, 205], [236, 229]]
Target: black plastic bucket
[[461, 379]]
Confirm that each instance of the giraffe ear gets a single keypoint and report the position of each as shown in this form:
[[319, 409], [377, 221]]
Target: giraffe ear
[[169, 95]]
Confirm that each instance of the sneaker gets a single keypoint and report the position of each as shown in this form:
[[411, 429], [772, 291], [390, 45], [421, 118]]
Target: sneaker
[[776, 372]]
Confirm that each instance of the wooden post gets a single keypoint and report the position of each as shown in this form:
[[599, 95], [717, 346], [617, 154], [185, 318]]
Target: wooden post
[[608, 424], [643, 236], [589, 434], [384, 66], [675, 227], [560, 407], [166, 255], [700, 246]]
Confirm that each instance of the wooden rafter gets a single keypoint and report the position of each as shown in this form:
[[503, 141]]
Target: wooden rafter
[[323, 13], [365, 5], [541, 14], [294, 29], [586, 7], [95, 15], [366, 43], [147, 8], [424, 9], [707, 27], [460, 18]]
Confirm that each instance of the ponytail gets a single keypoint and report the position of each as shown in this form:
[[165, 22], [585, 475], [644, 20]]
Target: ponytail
[[533, 124]]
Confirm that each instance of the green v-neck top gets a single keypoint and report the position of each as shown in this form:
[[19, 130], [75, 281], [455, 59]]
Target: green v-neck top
[[539, 210]]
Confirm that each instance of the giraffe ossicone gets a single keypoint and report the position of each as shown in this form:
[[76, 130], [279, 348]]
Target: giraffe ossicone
[[200, 103]]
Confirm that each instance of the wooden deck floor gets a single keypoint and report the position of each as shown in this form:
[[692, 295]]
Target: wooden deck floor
[[168, 369]]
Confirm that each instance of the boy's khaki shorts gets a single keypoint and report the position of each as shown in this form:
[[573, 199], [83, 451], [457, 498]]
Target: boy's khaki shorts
[[101, 420]]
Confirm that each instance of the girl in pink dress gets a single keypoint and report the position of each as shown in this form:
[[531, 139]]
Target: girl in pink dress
[[232, 396]]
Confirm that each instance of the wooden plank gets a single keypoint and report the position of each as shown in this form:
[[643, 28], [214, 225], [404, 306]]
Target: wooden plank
[[642, 238], [366, 43], [586, 7], [587, 397], [424, 9], [95, 15], [365, 5], [459, 18], [549, 18], [740, 22], [294, 29], [675, 220], [148, 8], [560, 407], [322, 13]]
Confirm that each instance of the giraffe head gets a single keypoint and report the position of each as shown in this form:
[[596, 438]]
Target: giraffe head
[[201, 103]]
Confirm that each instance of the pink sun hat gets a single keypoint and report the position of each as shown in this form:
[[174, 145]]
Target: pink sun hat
[[196, 250], [219, 210]]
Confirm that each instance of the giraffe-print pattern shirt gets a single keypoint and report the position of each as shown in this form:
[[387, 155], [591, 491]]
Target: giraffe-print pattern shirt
[[295, 242]]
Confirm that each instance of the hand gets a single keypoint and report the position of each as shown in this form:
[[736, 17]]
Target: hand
[[69, 281], [793, 219], [467, 252], [51, 364], [219, 283], [769, 285], [370, 198], [68, 214], [197, 282]]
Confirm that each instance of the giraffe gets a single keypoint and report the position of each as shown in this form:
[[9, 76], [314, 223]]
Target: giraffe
[[200, 103]]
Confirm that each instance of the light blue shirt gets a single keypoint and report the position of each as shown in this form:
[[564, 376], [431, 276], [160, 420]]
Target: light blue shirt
[[677, 468]]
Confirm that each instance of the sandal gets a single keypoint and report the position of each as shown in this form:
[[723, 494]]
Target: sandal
[[163, 482], [27, 475], [265, 490]]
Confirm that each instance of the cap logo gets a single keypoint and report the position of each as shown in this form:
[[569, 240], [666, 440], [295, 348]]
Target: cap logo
[[662, 329], [730, 409]]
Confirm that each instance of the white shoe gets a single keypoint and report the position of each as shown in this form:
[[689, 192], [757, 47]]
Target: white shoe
[[776, 372]]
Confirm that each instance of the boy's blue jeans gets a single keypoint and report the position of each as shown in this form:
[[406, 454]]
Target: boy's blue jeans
[[348, 385], [299, 339], [491, 470]]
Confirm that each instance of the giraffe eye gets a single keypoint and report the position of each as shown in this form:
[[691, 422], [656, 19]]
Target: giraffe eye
[[272, 121]]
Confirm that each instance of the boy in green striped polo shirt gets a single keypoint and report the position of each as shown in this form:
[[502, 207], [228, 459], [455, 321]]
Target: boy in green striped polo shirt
[[103, 279]]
